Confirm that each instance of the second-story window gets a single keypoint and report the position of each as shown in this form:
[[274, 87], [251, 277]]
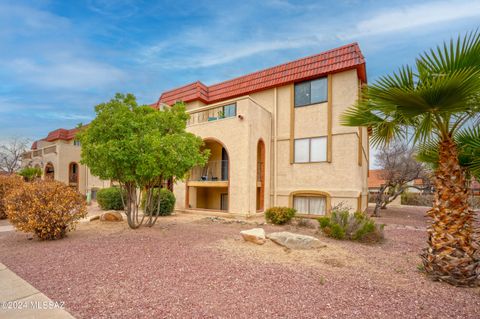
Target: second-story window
[[308, 150], [311, 92], [230, 110], [76, 143]]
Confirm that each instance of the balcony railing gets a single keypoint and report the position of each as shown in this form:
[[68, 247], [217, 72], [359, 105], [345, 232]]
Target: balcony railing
[[212, 114], [27, 155], [212, 171], [40, 152], [50, 149]]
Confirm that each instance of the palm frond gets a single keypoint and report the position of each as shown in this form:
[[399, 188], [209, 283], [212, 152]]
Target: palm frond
[[464, 52], [427, 152]]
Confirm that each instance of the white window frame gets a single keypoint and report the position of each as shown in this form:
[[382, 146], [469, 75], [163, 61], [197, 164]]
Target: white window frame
[[310, 149], [309, 197]]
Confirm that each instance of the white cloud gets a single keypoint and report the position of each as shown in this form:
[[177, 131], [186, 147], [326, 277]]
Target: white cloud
[[413, 16], [67, 73], [223, 53], [63, 116]]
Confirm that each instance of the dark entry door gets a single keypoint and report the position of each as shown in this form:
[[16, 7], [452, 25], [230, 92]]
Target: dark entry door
[[224, 201], [224, 165]]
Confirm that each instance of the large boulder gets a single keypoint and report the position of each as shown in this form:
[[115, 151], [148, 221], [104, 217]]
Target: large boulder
[[254, 235], [295, 241], [111, 216]]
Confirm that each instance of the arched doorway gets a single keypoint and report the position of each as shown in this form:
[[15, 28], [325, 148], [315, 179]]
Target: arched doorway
[[260, 175], [73, 175], [49, 171], [208, 185]]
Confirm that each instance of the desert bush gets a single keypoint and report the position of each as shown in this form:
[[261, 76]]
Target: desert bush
[[167, 202], [279, 215], [7, 183], [372, 197], [341, 224], [110, 198], [48, 209], [474, 202], [417, 199], [30, 173]]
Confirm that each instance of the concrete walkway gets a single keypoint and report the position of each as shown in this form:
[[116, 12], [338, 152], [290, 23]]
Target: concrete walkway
[[19, 299]]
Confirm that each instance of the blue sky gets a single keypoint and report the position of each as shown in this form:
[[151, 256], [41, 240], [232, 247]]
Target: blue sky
[[58, 59]]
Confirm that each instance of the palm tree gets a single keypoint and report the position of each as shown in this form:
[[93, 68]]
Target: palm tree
[[468, 145], [432, 102]]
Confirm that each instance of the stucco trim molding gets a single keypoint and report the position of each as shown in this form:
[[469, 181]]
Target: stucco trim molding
[[329, 117], [327, 196]]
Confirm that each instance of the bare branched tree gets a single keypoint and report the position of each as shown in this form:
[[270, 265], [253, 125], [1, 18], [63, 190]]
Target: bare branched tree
[[399, 171], [11, 154]]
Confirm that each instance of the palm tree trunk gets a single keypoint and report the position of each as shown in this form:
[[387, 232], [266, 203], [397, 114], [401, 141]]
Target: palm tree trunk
[[452, 254]]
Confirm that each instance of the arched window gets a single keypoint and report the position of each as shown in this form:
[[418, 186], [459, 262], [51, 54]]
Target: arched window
[[73, 174], [260, 175], [49, 171]]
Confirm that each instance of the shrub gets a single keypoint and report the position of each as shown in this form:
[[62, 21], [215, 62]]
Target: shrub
[[167, 202], [48, 209], [279, 215], [30, 173], [417, 199], [7, 183], [110, 198], [343, 225]]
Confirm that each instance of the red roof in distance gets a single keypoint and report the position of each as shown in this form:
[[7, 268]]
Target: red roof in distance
[[333, 61]]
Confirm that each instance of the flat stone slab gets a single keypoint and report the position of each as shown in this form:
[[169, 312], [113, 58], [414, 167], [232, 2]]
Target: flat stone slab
[[19, 299], [111, 216], [6, 228], [295, 241], [254, 235]]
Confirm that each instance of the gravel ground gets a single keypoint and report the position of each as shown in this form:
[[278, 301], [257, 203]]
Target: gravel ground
[[191, 267]]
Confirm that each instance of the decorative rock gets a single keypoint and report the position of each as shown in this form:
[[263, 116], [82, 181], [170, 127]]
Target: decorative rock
[[255, 235], [111, 216], [295, 241]]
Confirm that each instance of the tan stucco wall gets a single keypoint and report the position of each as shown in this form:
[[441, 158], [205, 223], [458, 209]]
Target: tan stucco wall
[[66, 153], [344, 179], [240, 138]]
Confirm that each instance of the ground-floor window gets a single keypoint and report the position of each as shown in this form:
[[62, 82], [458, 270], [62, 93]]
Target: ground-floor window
[[313, 205]]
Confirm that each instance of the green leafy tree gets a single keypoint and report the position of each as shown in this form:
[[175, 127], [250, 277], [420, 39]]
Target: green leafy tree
[[138, 147], [432, 102]]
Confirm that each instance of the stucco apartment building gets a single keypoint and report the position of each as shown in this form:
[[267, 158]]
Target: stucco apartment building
[[276, 140], [274, 136], [58, 156]]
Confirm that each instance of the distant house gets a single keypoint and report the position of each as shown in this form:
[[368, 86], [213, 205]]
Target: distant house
[[375, 181], [58, 156]]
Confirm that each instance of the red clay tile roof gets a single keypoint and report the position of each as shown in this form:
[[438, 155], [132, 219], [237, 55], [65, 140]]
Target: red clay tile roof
[[61, 134], [58, 134], [332, 61], [374, 179]]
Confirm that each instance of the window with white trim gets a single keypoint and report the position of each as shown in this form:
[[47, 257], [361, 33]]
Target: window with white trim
[[310, 205], [308, 150]]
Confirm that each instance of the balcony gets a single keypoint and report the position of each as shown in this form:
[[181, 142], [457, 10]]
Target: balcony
[[40, 152], [50, 149], [214, 173], [212, 114]]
